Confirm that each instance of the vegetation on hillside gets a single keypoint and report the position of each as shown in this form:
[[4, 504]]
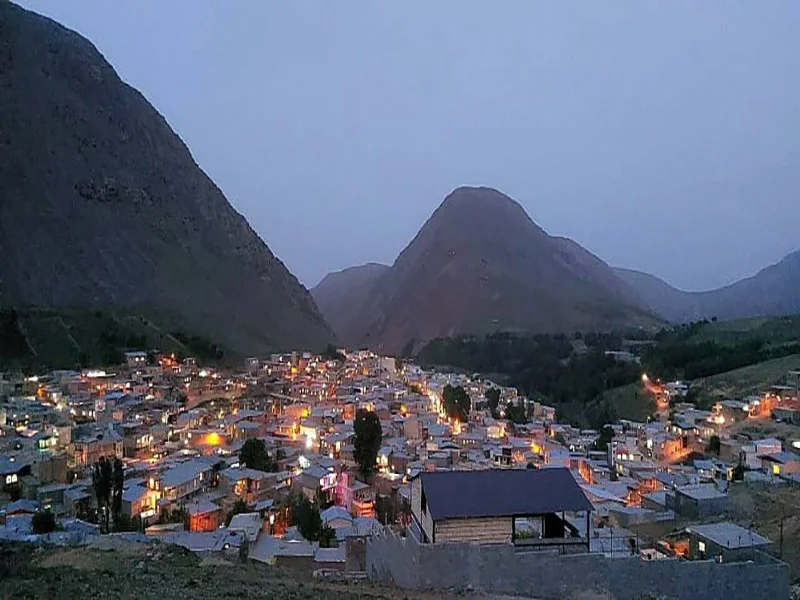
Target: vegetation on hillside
[[36, 339], [590, 388], [544, 368], [692, 351]]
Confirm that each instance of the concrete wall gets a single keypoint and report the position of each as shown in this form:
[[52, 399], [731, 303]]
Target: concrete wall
[[502, 569]]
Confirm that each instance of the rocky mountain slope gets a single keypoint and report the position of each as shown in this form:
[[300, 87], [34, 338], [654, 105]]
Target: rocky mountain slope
[[773, 291], [104, 206], [340, 294], [480, 264]]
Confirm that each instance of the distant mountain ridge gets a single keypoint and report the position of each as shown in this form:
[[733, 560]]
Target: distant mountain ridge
[[104, 206], [340, 294], [773, 291], [479, 264]]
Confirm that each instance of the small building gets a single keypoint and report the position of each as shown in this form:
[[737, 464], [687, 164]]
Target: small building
[[136, 359], [726, 541], [696, 501], [204, 516], [523, 507], [781, 464], [786, 414]]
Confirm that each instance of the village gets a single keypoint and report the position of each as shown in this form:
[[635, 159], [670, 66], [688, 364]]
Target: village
[[331, 465]]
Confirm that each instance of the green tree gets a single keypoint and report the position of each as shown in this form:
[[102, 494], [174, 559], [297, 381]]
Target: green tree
[[456, 402], [125, 523], [239, 507], [305, 514], [331, 353], [254, 455], [117, 484], [606, 435], [714, 445], [102, 483], [385, 509], [493, 400], [43, 521], [367, 441], [179, 514], [516, 413], [327, 537]]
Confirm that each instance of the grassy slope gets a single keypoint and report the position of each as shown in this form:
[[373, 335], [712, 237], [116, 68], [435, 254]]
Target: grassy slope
[[748, 380], [59, 339], [631, 402], [775, 330]]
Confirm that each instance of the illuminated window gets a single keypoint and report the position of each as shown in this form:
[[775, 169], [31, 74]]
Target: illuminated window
[[776, 469], [701, 546], [11, 479]]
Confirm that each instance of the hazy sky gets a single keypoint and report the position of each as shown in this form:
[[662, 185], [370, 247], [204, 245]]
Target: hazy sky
[[663, 136]]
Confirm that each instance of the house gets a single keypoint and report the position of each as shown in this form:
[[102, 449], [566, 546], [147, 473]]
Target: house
[[522, 507], [781, 464], [331, 559], [314, 480], [786, 414], [136, 359], [726, 541], [336, 517], [363, 503], [204, 515], [139, 501], [248, 524], [184, 480], [696, 501], [77, 501], [751, 453], [20, 507], [251, 485], [86, 451], [12, 470]]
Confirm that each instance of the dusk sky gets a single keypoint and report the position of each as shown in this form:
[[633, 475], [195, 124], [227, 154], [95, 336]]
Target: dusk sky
[[662, 136]]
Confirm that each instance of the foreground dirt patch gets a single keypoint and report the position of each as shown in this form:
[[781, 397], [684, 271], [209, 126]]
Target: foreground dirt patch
[[159, 572]]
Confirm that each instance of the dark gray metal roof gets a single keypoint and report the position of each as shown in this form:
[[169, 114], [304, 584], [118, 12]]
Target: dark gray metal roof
[[501, 493]]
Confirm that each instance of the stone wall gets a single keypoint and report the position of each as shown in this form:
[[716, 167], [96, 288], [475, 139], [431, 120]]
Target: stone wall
[[502, 569]]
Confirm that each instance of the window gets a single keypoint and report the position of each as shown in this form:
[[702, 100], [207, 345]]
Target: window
[[11, 479]]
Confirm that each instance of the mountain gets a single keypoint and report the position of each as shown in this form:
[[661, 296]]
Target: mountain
[[773, 291], [479, 264], [340, 294], [103, 205]]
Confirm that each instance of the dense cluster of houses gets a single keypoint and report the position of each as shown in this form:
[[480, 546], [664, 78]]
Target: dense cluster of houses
[[178, 428]]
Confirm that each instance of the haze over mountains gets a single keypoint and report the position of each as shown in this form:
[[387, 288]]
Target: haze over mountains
[[773, 291], [103, 205], [479, 264]]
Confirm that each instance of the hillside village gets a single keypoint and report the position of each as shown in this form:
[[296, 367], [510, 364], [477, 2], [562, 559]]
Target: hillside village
[[679, 486]]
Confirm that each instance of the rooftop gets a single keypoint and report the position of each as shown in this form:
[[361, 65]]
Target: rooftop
[[495, 493], [729, 535]]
